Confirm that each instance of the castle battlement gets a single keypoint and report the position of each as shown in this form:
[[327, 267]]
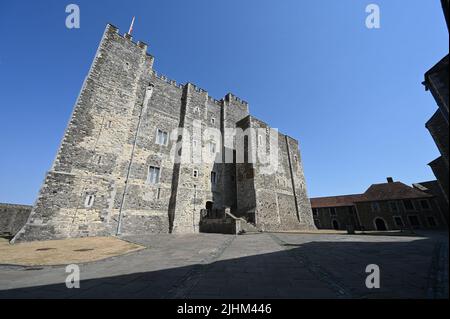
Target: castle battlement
[[215, 101], [167, 80], [231, 97], [197, 88], [140, 44]]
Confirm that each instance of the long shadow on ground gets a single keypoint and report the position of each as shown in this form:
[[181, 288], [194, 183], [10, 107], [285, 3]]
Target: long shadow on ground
[[310, 270]]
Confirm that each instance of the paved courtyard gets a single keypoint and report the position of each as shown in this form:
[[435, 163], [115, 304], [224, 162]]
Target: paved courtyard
[[278, 265]]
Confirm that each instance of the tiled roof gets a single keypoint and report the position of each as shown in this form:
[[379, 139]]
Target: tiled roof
[[376, 192], [394, 190], [334, 201]]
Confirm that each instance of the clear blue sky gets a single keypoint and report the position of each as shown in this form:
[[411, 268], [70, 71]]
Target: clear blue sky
[[351, 96]]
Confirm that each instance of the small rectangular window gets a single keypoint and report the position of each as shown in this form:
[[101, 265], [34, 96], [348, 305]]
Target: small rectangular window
[[212, 147], [162, 138], [89, 201], [213, 178], [213, 121], [153, 175]]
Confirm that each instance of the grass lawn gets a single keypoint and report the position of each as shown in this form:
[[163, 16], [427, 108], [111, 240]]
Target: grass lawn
[[63, 252]]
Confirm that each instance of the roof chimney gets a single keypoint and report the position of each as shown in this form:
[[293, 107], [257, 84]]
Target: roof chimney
[[390, 180]]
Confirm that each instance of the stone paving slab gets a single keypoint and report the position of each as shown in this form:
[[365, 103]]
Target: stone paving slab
[[280, 265]]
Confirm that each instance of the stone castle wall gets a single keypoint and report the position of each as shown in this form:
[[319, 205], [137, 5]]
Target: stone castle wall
[[12, 218], [110, 143]]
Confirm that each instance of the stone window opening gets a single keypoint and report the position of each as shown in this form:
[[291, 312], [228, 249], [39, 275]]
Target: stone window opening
[[260, 139], [158, 193], [153, 175], [195, 173], [89, 201], [213, 121], [162, 137], [212, 147]]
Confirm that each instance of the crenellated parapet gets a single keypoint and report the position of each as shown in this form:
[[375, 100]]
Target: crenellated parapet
[[140, 44], [232, 98]]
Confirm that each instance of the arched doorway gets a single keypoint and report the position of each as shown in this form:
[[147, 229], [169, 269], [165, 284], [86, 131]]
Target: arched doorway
[[335, 224], [380, 224]]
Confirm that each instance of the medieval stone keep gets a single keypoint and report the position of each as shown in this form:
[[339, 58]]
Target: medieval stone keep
[[116, 171]]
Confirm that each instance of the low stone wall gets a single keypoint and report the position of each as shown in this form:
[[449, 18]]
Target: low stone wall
[[12, 218], [220, 226]]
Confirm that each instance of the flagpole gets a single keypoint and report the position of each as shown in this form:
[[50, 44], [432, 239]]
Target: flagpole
[[131, 26]]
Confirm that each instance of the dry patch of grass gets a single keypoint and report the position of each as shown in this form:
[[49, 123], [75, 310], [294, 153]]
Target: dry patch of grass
[[63, 252]]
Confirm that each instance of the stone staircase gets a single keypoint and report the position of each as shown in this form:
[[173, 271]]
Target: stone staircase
[[245, 227]]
